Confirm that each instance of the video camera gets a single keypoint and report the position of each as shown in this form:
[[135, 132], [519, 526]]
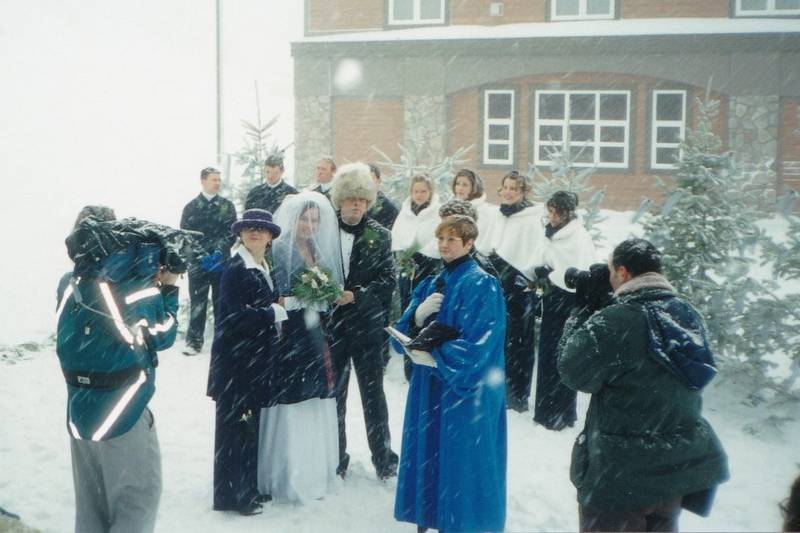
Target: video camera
[[592, 287]]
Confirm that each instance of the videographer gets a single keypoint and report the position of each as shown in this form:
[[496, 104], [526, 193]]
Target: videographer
[[645, 451], [116, 309]]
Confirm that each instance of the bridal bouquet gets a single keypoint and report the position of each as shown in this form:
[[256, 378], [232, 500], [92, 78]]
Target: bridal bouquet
[[315, 285]]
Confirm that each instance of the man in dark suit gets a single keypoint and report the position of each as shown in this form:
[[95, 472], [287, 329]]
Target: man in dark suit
[[211, 215], [326, 168], [356, 324], [270, 194], [383, 211]]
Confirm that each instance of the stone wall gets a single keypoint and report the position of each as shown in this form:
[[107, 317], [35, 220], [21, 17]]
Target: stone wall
[[425, 126], [312, 135], [753, 136]]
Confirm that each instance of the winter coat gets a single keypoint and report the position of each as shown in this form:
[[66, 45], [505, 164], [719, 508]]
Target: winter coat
[[270, 198], [487, 214], [371, 277], [517, 239], [213, 218], [418, 230], [242, 368], [452, 474], [110, 364], [383, 211], [645, 440], [569, 247]]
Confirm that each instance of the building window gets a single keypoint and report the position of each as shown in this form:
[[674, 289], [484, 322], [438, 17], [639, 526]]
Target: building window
[[595, 125], [767, 8], [498, 127], [668, 128], [416, 12], [581, 9]]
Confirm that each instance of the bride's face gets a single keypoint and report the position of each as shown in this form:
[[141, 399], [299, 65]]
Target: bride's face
[[308, 223]]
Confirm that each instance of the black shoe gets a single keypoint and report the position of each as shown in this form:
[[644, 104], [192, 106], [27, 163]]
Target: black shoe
[[191, 349], [263, 498], [252, 509], [385, 472], [344, 462]]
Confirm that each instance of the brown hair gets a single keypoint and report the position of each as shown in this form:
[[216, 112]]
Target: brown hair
[[328, 159], [475, 181], [522, 180], [421, 178], [463, 226]]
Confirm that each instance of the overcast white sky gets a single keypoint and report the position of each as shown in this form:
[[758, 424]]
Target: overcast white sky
[[113, 102]]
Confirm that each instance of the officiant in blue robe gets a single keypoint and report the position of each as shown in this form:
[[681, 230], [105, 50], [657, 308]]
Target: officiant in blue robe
[[452, 474]]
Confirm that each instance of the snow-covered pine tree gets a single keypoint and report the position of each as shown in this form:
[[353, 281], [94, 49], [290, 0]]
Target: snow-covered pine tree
[[414, 160], [563, 175], [251, 157], [707, 233]]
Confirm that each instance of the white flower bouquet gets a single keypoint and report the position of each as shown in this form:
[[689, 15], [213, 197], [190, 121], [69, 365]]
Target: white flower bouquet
[[314, 286]]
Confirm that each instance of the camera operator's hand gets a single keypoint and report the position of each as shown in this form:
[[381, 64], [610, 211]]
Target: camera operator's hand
[[431, 305], [165, 277]]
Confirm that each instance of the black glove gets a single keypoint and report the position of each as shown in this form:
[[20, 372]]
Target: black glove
[[433, 335]]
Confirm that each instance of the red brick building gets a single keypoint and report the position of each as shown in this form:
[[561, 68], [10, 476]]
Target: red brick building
[[511, 77]]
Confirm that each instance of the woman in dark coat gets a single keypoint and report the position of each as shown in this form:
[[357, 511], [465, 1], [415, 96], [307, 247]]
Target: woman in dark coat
[[242, 362]]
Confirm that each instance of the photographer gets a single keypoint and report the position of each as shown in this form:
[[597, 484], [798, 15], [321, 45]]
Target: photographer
[[116, 309], [645, 451]]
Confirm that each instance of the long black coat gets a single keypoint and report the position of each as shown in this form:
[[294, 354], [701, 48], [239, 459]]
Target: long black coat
[[213, 218], [270, 198], [242, 370], [372, 279], [383, 211]]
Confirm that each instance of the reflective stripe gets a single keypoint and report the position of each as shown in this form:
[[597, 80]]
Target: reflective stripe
[[141, 295], [117, 410], [63, 302], [114, 310], [74, 430], [161, 328]]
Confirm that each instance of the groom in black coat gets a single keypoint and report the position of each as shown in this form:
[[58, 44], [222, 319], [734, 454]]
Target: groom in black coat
[[356, 324]]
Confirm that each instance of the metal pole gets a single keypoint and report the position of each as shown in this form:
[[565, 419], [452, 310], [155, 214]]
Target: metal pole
[[219, 82]]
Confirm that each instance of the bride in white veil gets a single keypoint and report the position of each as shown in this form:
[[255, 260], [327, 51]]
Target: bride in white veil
[[298, 441]]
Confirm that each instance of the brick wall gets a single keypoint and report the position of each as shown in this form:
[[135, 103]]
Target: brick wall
[[633, 9], [359, 124], [324, 16], [789, 138], [514, 11], [624, 189]]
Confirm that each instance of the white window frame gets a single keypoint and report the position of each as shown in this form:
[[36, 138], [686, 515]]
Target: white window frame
[[487, 122], [769, 11], [582, 15], [655, 124], [565, 123], [416, 19]]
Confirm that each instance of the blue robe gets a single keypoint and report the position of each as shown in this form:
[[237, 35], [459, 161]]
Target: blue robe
[[452, 474]]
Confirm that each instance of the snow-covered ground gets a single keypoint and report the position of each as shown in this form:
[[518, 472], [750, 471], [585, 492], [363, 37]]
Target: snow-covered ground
[[36, 481]]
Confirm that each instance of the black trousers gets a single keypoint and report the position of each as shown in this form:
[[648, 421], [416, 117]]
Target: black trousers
[[555, 402], [660, 517], [368, 363], [199, 284], [520, 343], [235, 458]]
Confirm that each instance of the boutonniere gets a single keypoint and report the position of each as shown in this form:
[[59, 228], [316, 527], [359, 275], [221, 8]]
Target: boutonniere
[[370, 237]]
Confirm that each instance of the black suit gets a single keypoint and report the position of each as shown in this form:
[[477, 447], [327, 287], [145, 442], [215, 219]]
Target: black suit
[[383, 211], [270, 198], [318, 188], [213, 218], [357, 334]]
